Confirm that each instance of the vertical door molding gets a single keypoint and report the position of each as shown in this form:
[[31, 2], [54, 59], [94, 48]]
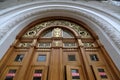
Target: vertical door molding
[[5, 60], [89, 72], [27, 61]]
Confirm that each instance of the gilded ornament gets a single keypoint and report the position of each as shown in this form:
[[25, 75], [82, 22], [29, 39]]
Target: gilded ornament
[[57, 32]]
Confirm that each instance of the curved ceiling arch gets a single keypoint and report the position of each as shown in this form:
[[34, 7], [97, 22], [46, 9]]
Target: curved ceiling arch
[[15, 19], [72, 24]]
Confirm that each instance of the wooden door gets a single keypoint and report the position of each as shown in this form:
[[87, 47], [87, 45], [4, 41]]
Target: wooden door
[[57, 54]]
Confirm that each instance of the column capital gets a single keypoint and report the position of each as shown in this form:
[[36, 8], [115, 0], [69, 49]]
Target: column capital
[[80, 43]]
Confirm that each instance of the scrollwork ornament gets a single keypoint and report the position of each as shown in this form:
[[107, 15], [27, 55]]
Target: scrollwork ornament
[[72, 25]]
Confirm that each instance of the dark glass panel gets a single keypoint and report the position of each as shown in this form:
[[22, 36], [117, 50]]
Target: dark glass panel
[[37, 78], [71, 58], [37, 75], [41, 58], [101, 70], [67, 34], [47, 34], [19, 57], [75, 74], [38, 71], [10, 75], [94, 57], [102, 73]]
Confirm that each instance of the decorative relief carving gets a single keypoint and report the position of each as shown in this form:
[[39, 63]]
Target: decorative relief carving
[[70, 44], [44, 45], [24, 45], [89, 44], [80, 43], [57, 31], [57, 43]]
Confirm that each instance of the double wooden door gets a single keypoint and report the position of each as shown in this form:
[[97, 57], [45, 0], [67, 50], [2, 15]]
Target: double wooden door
[[44, 64], [56, 65], [57, 58]]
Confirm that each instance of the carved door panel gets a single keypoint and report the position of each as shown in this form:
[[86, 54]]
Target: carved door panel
[[54, 67]]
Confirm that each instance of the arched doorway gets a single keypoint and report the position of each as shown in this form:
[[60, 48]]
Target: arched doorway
[[57, 49]]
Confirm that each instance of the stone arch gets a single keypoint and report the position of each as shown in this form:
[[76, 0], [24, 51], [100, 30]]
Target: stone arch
[[103, 26], [57, 18]]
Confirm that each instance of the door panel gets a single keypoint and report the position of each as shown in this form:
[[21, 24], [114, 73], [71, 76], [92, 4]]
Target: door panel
[[57, 54], [71, 58], [17, 58], [41, 58], [94, 58], [10, 73], [38, 73], [74, 73], [102, 73], [55, 66]]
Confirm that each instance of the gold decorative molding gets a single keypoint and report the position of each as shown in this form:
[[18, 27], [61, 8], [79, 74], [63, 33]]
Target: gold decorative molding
[[79, 29], [57, 32], [80, 42], [88, 44], [57, 43], [24, 44]]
